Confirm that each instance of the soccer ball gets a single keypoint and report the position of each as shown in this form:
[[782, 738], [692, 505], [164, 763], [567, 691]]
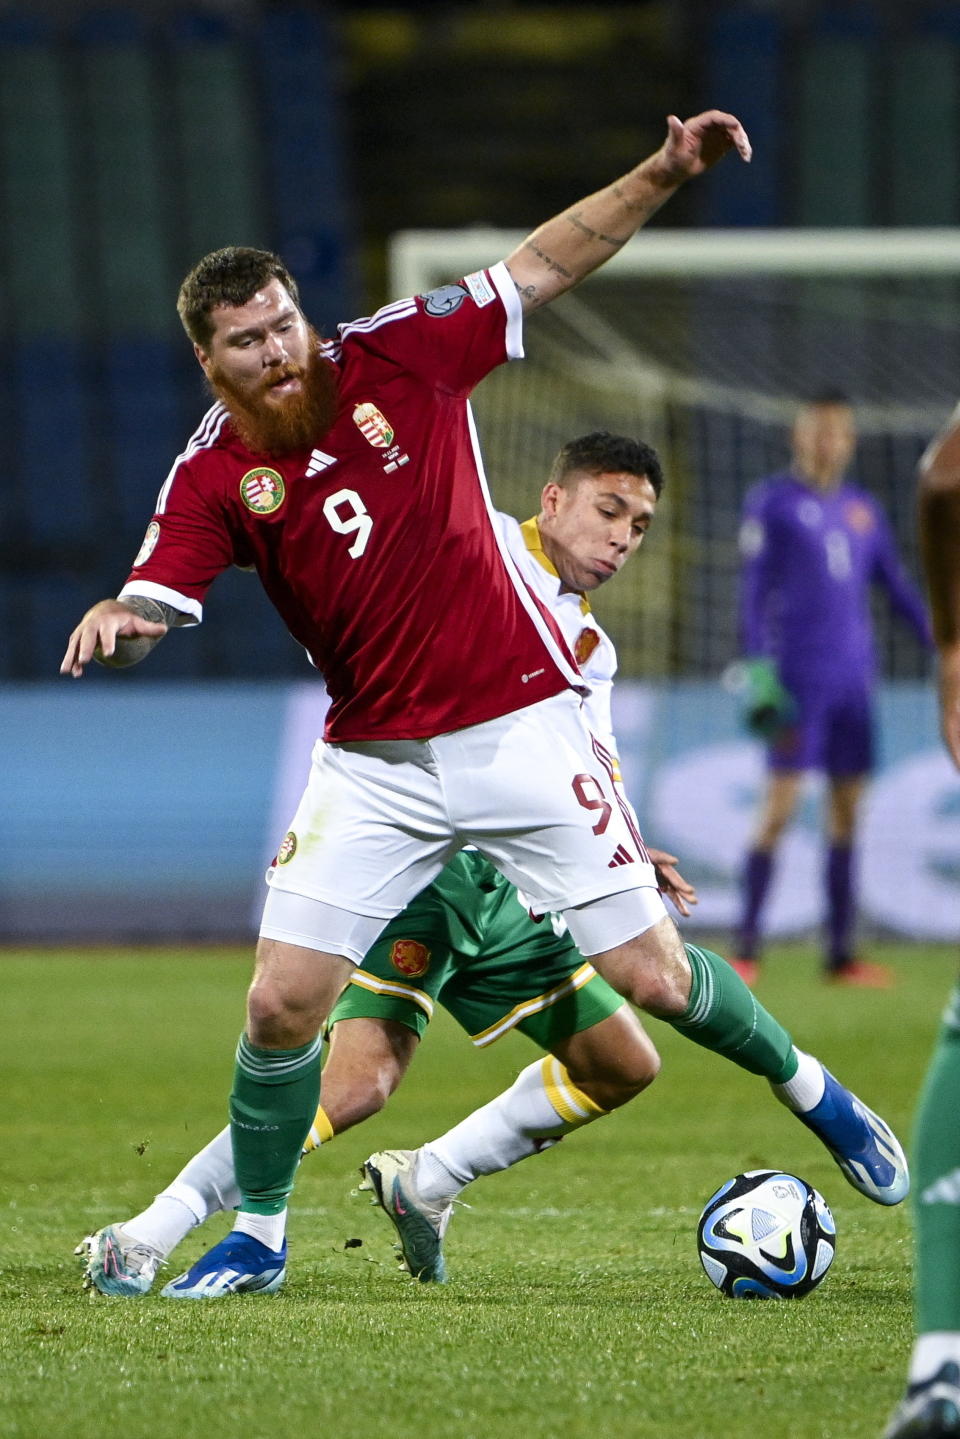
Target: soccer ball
[[766, 1235]]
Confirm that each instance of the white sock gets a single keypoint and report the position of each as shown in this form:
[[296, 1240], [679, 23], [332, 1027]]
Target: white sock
[[539, 1108], [208, 1182], [932, 1350], [162, 1224], [205, 1185], [268, 1228], [805, 1090]]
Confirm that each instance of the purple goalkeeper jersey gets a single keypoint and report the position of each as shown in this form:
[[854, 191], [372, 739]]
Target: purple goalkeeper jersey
[[809, 559]]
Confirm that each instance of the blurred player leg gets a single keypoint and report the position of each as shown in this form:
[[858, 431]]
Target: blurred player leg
[[779, 802], [933, 1393], [843, 965]]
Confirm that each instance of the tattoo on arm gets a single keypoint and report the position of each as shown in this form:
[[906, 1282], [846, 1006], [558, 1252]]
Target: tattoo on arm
[[587, 231], [130, 650], [625, 199], [553, 265], [156, 610]]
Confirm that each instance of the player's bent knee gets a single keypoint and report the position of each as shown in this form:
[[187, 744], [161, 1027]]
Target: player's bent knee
[[280, 1019], [652, 971], [293, 990]]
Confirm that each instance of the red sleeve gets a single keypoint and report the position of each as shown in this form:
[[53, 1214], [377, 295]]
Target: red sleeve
[[187, 543], [452, 336]]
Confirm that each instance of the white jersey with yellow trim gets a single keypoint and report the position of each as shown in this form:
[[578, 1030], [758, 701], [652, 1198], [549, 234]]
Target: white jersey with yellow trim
[[587, 640]]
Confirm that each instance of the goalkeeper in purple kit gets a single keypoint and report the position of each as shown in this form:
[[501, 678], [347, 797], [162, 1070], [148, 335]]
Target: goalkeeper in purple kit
[[812, 545]]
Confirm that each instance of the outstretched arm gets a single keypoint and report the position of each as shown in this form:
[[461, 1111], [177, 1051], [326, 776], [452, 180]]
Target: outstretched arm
[[905, 598], [566, 249], [939, 506], [117, 633]]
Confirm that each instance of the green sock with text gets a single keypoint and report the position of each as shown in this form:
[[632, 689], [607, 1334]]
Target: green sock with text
[[274, 1100], [723, 1015]]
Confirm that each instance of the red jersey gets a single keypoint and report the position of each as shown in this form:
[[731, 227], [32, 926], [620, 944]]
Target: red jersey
[[379, 548]]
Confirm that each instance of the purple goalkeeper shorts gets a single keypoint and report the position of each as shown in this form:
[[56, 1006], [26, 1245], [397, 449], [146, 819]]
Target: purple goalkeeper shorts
[[833, 731]]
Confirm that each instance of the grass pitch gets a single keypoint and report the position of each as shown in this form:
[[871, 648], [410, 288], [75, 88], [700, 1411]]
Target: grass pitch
[[577, 1305]]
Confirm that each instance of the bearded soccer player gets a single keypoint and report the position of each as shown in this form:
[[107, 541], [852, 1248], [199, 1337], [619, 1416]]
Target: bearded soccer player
[[468, 943], [813, 544], [931, 1407], [455, 714]]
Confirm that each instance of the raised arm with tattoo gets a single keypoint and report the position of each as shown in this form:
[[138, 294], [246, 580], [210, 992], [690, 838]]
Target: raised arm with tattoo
[[939, 508], [569, 247], [118, 633]]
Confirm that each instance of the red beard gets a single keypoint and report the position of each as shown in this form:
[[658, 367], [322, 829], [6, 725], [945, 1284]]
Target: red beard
[[280, 426]]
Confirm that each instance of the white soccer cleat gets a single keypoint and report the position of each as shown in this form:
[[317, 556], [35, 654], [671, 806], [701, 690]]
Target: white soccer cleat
[[116, 1264], [420, 1223]]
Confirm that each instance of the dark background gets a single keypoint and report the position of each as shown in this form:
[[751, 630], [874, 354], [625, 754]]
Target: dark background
[[133, 139]]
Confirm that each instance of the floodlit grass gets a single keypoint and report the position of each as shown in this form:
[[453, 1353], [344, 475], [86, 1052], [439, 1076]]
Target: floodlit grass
[[577, 1306]]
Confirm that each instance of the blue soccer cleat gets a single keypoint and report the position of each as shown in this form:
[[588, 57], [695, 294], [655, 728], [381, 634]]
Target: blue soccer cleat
[[865, 1147], [116, 1264], [930, 1410], [239, 1264], [420, 1224]]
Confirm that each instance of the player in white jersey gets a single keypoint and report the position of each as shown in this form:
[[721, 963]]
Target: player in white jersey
[[468, 943], [348, 475]]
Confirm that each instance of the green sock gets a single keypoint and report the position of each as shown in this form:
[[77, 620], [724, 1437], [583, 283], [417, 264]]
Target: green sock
[[936, 1182], [274, 1099], [724, 1016]]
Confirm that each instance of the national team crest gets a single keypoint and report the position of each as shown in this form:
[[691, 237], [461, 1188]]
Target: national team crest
[[859, 516], [373, 425], [587, 641], [149, 544], [410, 957], [262, 490], [288, 848]]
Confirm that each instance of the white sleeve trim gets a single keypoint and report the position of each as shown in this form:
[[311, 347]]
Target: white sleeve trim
[[192, 610], [507, 290]]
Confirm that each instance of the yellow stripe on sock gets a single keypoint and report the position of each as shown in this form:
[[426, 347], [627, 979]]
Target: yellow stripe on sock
[[321, 1131], [573, 1106]]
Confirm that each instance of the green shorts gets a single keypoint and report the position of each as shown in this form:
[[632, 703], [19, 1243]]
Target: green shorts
[[467, 942]]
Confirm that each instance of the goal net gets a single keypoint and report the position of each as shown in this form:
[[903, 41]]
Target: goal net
[[704, 343]]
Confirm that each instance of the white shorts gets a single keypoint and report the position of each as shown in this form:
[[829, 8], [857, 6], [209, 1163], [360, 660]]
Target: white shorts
[[532, 790]]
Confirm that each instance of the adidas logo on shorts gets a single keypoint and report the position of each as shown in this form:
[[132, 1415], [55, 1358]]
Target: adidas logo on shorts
[[620, 856]]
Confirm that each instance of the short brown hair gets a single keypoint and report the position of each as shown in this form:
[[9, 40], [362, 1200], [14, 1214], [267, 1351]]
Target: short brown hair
[[227, 277], [601, 453]]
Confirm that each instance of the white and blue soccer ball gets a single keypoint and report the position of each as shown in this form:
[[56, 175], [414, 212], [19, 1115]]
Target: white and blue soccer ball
[[766, 1235]]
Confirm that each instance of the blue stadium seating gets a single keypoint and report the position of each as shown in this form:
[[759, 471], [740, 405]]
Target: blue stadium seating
[[305, 160]]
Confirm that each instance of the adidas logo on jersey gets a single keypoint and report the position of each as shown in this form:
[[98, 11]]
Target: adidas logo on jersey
[[620, 856]]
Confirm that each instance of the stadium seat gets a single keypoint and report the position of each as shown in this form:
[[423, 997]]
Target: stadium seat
[[128, 208], [143, 429], [305, 170], [52, 397], [845, 43], [39, 233], [215, 117], [924, 99], [744, 64]]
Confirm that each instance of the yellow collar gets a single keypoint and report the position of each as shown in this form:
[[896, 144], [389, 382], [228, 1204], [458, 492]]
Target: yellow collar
[[534, 543]]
